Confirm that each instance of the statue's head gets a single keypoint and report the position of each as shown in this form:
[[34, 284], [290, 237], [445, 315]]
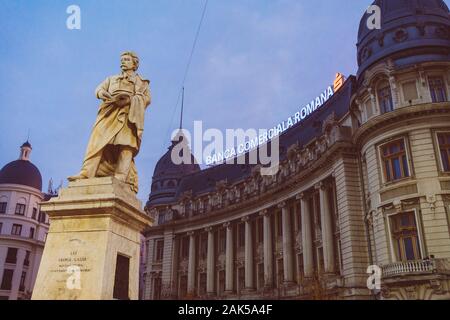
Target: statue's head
[[129, 61]]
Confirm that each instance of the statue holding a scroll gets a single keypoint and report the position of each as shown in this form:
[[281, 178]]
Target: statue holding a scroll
[[116, 136]]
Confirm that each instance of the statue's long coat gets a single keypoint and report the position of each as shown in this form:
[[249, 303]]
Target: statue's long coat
[[111, 120]]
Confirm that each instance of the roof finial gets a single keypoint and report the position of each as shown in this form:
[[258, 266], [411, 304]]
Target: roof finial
[[25, 151]]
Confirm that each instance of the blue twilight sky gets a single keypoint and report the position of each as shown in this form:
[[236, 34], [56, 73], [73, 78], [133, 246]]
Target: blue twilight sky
[[256, 63]]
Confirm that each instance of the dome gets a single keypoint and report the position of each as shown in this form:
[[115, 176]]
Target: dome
[[166, 168], [412, 31], [21, 172], [167, 177]]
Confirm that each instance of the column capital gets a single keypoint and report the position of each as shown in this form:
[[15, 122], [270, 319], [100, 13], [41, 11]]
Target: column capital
[[227, 225], [322, 185], [209, 229], [300, 196], [245, 219], [191, 233], [281, 205], [264, 213]]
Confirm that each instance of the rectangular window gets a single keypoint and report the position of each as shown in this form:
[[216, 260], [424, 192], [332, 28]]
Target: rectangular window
[[20, 209], [222, 241], [22, 281], [279, 224], [31, 233], [3, 207], [260, 276], [203, 245], [157, 287], [385, 99], [183, 286], [26, 261], [444, 150], [320, 260], [410, 91], [122, 278], [34, 214], [241, 279], [202, 286], [405, 236], [301, 269], [369, 109], [1, 227], [437, 89], [161, 218], [16, 229], [221, 282], [260, 224], [41, 217], [185, 248], [395, 161], [241, 235], [7, 279], [299, 217], [159, 250], [11, 256], [280, 272]]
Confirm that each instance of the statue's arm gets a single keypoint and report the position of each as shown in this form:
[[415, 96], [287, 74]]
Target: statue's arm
[[102, 90], [145, 94]]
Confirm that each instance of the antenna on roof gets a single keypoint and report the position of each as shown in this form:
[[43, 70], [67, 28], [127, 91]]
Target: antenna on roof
[[182, 109]]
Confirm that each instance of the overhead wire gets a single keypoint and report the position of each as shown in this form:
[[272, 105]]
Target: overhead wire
[[186, 71]]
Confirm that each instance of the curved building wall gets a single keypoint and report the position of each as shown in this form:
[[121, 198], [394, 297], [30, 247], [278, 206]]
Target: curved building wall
[[23, 228]]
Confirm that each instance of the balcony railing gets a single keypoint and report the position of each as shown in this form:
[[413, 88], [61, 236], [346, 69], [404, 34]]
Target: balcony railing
[[416, 267]]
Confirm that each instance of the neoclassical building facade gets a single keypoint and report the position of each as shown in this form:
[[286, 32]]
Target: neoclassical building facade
[[364, 181], [23, 226]]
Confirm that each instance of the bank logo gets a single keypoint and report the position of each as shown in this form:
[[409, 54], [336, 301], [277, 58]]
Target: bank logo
[[252, 148], [73, 22], [374, 19]]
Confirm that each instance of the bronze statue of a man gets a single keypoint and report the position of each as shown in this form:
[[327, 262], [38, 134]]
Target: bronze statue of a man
[[116, 136]]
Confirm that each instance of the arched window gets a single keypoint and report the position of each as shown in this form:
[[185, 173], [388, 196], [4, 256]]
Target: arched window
[[171, 184], [385, 97]]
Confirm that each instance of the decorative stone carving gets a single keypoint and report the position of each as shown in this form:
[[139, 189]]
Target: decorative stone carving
[[401, 35]]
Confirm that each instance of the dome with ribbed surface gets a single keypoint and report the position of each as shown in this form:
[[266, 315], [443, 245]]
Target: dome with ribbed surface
[[167, 176], [21, 172], [412, 31]]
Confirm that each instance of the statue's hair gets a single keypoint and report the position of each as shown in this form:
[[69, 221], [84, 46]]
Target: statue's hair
[[134, 56]]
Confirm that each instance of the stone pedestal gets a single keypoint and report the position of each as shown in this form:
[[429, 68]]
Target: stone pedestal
[[95, 230]]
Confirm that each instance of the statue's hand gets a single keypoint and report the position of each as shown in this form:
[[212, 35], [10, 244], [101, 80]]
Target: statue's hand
[[122, 100], [105, 95]]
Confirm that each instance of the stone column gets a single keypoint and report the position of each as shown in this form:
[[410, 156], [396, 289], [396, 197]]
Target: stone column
[[249, 282], [174, 275], [268, 250], [307, 241], [210, 263], [229, 259], [288, 259], [192, 265], [327, 228]]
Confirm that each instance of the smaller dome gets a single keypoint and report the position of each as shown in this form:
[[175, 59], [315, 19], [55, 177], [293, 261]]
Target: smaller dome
[[21, 172]]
